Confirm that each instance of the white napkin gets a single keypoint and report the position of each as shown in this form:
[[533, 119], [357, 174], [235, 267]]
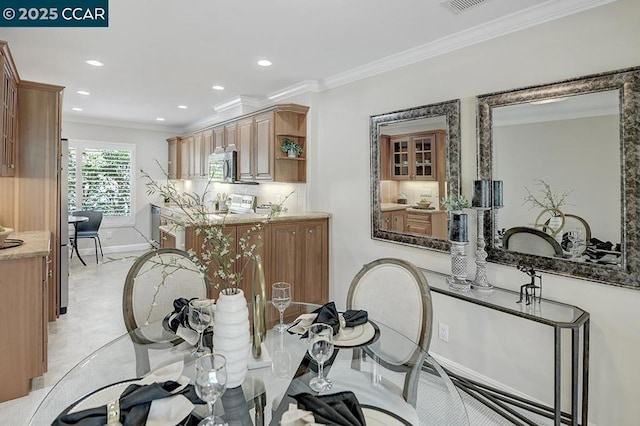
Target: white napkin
[[302, 323], [295, 416]]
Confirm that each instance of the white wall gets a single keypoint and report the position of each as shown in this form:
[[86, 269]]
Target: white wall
[[579, 156], [151, 145], [512, 351]]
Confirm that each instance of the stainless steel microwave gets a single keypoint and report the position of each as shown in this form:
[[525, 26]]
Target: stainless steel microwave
[[223, 166]]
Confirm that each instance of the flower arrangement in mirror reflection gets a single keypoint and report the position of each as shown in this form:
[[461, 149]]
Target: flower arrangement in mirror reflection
[[217, 255], [548, 199]]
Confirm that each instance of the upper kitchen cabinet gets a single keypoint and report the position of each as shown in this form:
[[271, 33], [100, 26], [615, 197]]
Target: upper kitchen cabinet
[[290, 121], [199, 156], [173, 169], [417, 156], [255, 147], [186, 157], [9, 122]]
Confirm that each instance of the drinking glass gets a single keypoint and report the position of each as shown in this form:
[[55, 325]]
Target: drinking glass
[[200, 317], [575, 237], [320, 348], [210, 382], [281, 299]]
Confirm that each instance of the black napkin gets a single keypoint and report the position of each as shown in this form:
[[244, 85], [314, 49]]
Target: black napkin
[[328, 314], [180, 317], [135, 403], [342, 408]]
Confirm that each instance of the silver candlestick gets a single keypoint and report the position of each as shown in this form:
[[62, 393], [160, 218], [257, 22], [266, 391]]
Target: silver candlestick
[[458, 279], [481, 282]]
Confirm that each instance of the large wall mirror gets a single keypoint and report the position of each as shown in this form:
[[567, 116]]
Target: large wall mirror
[[415, 162], [579, 141]]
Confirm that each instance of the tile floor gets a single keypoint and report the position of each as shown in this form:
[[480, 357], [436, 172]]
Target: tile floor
[[94, 317]]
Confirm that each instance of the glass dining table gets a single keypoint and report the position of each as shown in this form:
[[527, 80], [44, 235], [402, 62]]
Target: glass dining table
[[370, 368]]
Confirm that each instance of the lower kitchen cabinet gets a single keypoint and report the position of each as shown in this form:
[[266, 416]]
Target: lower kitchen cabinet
[[394, 220], [295, 251], [23, 323]]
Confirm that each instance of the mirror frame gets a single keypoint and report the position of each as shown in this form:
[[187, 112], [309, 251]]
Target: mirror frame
[[451, 111], [627, 82]]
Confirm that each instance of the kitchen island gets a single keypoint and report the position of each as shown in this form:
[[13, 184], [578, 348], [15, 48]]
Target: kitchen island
[[24, 277]]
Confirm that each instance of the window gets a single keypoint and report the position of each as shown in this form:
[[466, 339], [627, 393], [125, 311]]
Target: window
[[100, 178]]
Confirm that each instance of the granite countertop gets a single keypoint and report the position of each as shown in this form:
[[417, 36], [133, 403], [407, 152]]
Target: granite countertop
[[424, 211], [389, 207], [232, 218], [36, 244]]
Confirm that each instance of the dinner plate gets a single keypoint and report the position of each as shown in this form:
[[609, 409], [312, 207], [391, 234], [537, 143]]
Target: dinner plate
[[375, 416], [360, 335]]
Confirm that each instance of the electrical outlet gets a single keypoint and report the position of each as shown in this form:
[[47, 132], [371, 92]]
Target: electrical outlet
[[108, 235], [443, 332]]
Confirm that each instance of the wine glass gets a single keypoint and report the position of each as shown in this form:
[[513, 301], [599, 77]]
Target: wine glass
[[575, 237], [281, 299], [211, 382], [200, 317], [320, 348]]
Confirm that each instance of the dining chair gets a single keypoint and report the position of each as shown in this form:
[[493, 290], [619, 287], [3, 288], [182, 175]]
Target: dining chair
[[153, 282], [89, 229], [531, 241], [395, 292]]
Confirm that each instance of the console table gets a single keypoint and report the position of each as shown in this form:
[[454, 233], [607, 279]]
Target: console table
[[555, 314]]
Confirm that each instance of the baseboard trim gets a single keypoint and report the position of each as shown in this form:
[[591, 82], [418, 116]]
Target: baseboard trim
[[115, 249], [454, 367]]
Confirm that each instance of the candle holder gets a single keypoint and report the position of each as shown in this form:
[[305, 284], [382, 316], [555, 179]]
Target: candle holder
[[458, 279], [481, 282], [458, 236]]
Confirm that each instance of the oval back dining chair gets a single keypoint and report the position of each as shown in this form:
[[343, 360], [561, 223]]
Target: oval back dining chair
[[90, 228], [154, 281], [532, 241], [395, 292]]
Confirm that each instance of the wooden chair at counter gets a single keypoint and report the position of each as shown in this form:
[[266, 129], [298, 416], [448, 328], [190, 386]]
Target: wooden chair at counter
[[153, 282], [395, 292]]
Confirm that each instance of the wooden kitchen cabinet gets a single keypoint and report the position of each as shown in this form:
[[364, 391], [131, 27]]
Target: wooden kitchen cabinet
[[300, 256], [207, 149], [186, 157], [198, 156], [23, 323], [261, 238], [417, 156], [394, 220], [255, 147], [219, 144], [9, 121], [431, 223], [173, 166], [167, 240]]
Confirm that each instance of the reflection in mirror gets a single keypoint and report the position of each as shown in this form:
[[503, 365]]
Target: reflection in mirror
[[572, 142], [415, 156]]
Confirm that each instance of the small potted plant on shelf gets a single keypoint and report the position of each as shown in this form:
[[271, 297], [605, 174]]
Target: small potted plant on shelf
[[291, 147], [455, 203]]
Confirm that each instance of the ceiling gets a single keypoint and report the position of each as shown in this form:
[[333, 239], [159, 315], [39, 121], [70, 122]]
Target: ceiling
[[159, 54]]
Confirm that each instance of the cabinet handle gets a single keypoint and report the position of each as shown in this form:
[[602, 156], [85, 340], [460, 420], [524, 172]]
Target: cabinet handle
[[293, 232], [311, 231]]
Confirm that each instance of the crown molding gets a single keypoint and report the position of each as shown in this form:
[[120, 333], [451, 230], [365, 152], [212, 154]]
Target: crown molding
[[545, 12], [240, 101], [293, 90], [124, 124]]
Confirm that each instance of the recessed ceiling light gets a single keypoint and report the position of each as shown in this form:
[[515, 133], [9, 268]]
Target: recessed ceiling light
[[160, 119], [216, 87], [95, 63], [83, 92], [76, 109], [264, 63], [182, 106]]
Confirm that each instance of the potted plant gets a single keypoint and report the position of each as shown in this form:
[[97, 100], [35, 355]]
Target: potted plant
[[551, 202], [455, 203], [291, 147]]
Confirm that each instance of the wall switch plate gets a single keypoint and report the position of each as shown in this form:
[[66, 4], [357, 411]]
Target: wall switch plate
[[443, 332], [108, 235]]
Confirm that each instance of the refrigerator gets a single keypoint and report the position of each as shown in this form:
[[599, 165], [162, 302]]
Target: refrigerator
[[63, 266]]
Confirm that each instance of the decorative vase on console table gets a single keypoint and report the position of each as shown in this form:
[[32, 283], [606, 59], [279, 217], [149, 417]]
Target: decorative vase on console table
[[458, 237], [231, 336]]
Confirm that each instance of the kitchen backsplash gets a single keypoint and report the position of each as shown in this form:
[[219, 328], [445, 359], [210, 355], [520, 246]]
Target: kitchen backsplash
[[268, 192]]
